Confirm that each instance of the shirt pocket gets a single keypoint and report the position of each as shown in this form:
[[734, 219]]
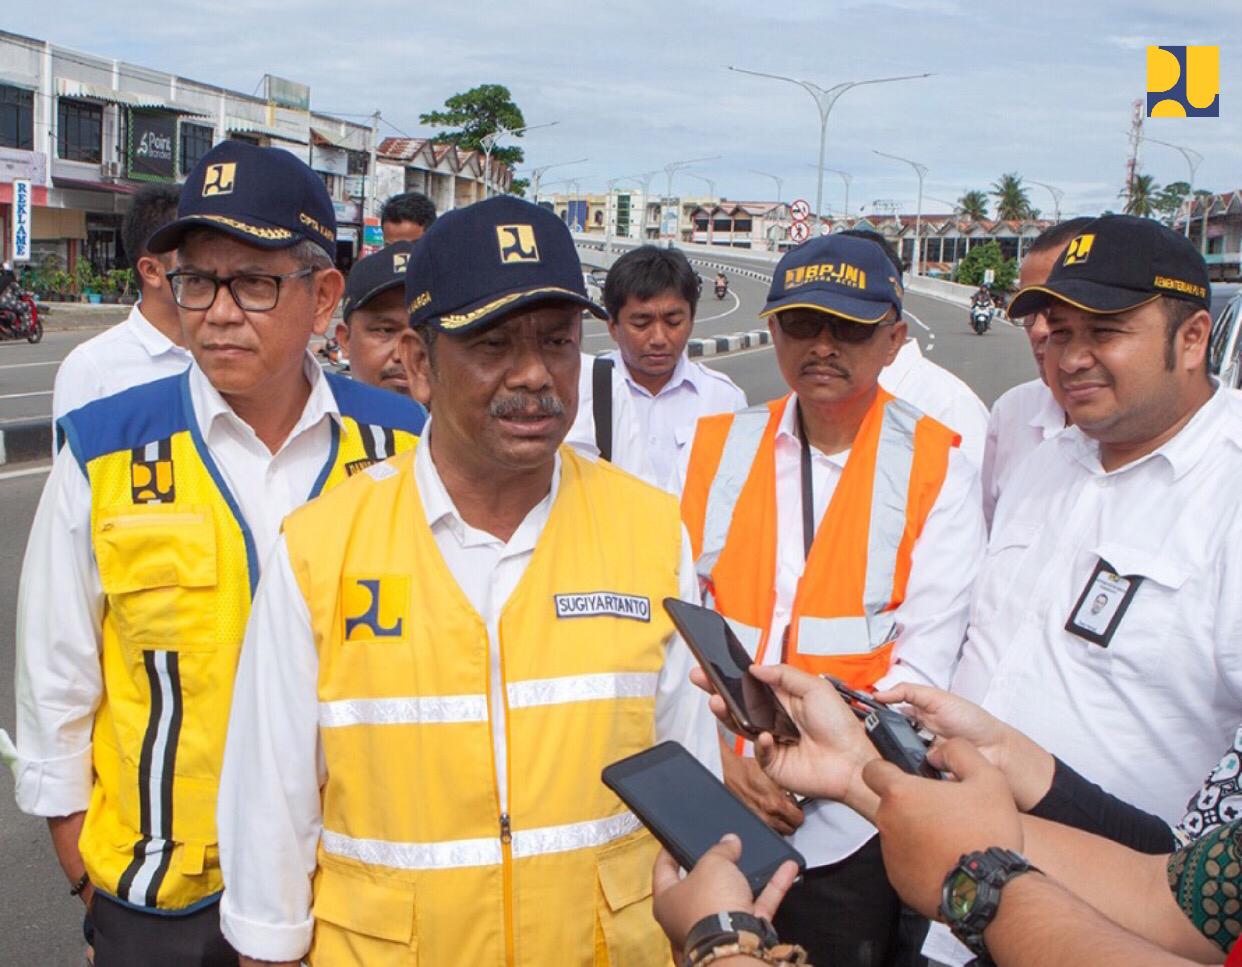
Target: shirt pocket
[[1004, 573], [158, 569]]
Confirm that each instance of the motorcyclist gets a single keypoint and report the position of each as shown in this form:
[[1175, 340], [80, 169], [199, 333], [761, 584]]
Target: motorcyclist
[[982, 297], [10, 293], [722, 284]]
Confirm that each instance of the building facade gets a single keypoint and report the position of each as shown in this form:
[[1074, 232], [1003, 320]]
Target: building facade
[[1216, 229], [450, 176]]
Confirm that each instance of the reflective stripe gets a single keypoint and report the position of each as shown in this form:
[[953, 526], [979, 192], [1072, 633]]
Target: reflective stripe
[[844, 636], [890, 494], [581, 688], [480, 852], [433, 710], [741, 445], [414, 856], [748, 636]]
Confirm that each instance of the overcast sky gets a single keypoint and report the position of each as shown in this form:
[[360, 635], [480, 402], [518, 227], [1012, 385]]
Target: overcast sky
[[1041, 88]]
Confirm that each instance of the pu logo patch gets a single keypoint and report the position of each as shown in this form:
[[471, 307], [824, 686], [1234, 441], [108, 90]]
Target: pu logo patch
[[399, 261], [517, 244], [1079, 249], [595, 604], [151, 474], [374, 608], [1183, 82], [219, 179]]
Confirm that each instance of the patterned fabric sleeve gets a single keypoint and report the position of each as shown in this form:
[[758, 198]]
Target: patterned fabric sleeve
[[1219, 801], [1206, 880]]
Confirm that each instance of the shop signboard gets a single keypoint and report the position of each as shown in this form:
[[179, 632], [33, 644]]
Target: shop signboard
[[152, 152]]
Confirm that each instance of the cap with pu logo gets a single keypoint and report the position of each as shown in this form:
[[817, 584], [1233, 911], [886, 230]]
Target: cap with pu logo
[[377, 273], [843, 275]]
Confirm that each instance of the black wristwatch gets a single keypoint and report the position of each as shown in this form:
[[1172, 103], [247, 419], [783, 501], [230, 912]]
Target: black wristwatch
[[971, 894], [723, 928]]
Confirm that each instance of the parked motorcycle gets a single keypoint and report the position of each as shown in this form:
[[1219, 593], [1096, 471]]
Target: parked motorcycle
[[23, 322], [981, 318]]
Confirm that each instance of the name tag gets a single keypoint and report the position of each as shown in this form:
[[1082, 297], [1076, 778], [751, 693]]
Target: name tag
[[595, 604], [1102, 605]]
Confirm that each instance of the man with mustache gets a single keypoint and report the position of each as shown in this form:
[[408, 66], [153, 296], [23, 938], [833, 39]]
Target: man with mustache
[[146, 548], [839, 529], [1136, 501], [373, 317], [447, 651], [1028, 414]]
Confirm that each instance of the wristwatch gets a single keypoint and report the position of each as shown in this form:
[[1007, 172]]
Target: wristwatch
[[971, 894], [726, 928]]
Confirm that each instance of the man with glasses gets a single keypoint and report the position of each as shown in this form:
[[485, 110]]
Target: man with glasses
[[839, 530], [146, 548]]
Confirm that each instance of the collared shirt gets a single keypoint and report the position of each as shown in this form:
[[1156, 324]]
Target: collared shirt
[[666, 420], [931, 619], [1023, 418], [627, 442], [60, 600], [1146, 716], [130, 353], [277, 756], [941, 395]]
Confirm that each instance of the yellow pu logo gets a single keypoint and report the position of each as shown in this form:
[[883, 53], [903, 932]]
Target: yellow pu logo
[[1183, 82], [517, 244], [1079, 249], [219, 179], [399, 261], [374, 608]]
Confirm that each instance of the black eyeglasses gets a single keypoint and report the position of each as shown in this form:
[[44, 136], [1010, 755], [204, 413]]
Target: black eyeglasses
[[252, 292], [809, 325]]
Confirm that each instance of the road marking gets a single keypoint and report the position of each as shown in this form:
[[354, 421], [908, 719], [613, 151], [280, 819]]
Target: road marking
[[50, 362], [737, 304], [22, 396], [931, 336], [28, 472]]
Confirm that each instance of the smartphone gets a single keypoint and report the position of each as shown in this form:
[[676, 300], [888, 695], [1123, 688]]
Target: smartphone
[[688, 809], [893, 735], [752, 704]]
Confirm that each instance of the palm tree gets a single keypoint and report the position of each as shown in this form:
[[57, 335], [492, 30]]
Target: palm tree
[[1141, 198], [973, 205], [1012, 202]]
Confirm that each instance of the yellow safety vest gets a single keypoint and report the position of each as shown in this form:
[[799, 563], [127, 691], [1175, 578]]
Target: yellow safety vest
[[178, 566], [417, 862]]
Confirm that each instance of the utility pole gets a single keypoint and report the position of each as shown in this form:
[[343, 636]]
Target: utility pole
[[1056, 193], [1193, 160], [921, 171], [489, 143]]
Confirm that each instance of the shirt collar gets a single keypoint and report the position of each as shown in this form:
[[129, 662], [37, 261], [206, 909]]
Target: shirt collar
[[907, 358], [1049, 418], [787, 435], [154, 342], [683, 374]]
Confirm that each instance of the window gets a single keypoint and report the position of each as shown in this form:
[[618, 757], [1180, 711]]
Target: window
[[742, 225], [79, 131], [16, 118], [358, 162], [195, 142]]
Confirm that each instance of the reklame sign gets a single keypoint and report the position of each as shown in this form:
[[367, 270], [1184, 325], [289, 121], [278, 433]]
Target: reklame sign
[[152, 146]]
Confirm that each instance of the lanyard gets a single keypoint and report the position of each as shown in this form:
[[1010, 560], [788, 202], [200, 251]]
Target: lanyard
[[808, 494]]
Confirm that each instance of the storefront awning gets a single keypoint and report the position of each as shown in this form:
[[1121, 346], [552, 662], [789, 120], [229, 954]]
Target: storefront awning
[[330, 138], [71, 88], [246, 126]]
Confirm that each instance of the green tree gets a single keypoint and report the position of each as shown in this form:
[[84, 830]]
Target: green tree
[[474, 114], [1142, 197], [1170, 200], [980, 258], [1012, 201], [973, 205]]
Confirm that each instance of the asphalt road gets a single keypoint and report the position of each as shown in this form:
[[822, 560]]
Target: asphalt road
[[39, 922]]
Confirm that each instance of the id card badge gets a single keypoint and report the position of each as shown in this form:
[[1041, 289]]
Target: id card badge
[[1102, 604]]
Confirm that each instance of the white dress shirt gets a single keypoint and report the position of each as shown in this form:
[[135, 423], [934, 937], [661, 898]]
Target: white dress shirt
[[269, 818], [931, 619], [941, 395], [1023, 418], [1146, 716], [130, 353], [60, 601], [628, 452], [666, 420]]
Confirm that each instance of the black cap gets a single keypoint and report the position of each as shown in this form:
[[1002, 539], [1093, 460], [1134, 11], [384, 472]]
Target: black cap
[[1120, 262], [378, 272], [265, 197], [845, 275], [477, 263]]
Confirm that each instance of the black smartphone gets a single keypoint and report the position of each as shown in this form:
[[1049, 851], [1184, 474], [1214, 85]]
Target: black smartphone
[[894, 736], [752, 704], [688, 809]]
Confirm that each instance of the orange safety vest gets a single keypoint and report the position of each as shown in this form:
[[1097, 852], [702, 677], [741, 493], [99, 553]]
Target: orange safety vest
[[859, 563]]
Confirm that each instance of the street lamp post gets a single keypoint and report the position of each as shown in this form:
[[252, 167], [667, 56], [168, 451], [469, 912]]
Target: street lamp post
[[489, 143], [673, 167], [847, 178], [536, 175], [824, 101], [921, 171], [780, 202], [711, 194], [645, 180], [1193, 160], [1056, 193]]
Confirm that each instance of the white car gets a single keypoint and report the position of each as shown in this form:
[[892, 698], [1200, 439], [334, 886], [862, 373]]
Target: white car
[[1225, 349]]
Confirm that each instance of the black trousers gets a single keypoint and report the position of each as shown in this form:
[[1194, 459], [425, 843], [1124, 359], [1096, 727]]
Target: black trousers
[[125, 937], [845, 914]]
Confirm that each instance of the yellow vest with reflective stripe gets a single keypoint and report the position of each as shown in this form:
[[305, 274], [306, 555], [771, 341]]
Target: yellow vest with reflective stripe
[[417, 862], [177, 567]]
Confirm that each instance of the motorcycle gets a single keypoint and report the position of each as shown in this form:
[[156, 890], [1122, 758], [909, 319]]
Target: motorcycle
[[722, 289], [18, 324], [981, 318]]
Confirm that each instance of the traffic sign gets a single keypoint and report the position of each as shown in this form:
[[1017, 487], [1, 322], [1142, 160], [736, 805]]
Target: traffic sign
[[800, 231], [800, 210]]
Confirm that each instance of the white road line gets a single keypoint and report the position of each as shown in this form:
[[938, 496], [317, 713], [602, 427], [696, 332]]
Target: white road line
[[931, 336], [50, 362], [28, 472], [737, 304], [22, 396]]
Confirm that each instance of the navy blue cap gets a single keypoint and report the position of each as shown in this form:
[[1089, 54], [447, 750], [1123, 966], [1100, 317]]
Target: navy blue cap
[[484, 261], [845, 275], [378, 272], [264, 197]]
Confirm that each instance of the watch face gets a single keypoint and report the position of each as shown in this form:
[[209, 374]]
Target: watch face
[[963, 891]]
